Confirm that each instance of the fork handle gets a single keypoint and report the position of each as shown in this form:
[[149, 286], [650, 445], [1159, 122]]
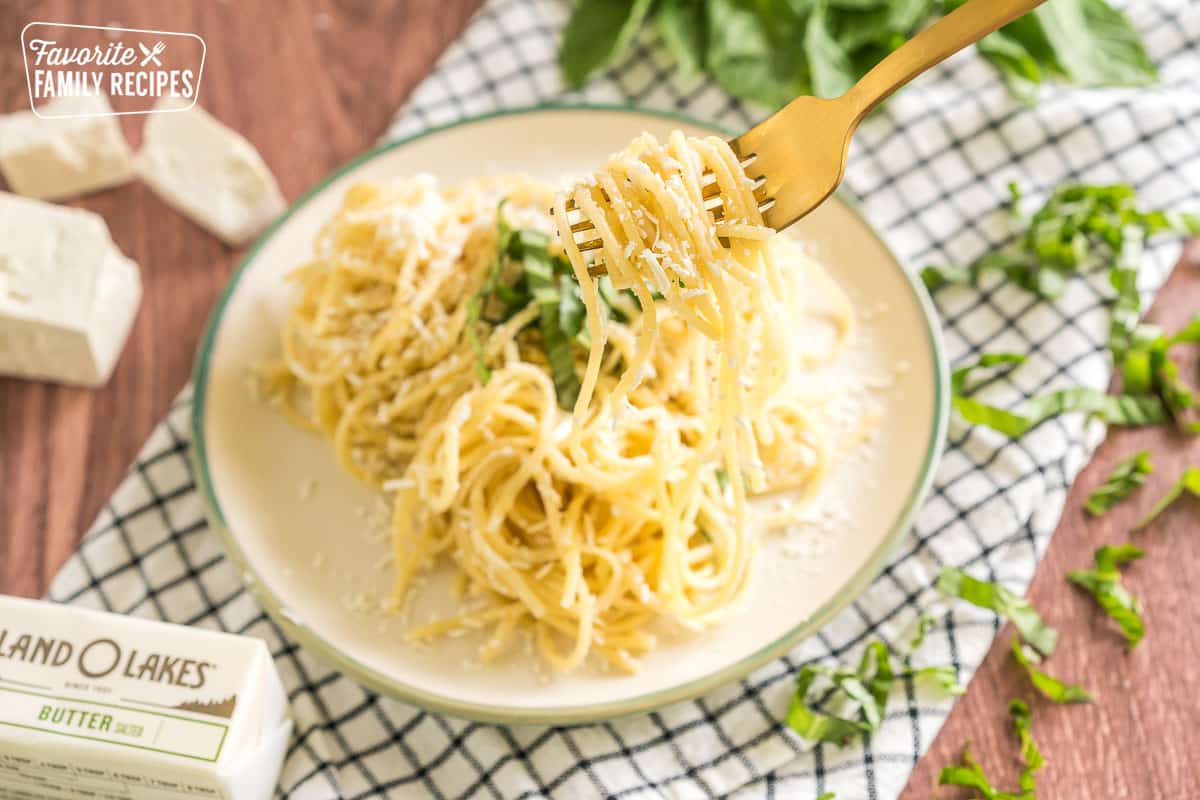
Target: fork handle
[[964, 26]]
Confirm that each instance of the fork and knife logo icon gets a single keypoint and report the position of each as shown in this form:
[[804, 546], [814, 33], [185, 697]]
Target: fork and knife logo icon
[[152, 54]]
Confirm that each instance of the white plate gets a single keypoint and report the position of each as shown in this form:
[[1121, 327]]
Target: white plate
[[312, 561]]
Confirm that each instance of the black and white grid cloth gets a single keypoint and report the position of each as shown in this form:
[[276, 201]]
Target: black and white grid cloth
[[930, 172]]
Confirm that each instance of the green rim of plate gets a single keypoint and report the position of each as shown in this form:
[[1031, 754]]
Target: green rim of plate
[[559, 715]]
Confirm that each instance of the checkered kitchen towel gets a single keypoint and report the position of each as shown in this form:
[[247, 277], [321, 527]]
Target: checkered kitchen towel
[[930, 173]]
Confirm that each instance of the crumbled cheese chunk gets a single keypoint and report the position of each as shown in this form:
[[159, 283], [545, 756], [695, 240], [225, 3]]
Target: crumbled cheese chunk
[[208, 172], [76, 148], [68, 296]]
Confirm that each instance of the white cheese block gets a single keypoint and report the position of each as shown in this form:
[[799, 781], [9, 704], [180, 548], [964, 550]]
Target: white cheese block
[[104, 706], [68, 296], [208, 172], [51, 159]]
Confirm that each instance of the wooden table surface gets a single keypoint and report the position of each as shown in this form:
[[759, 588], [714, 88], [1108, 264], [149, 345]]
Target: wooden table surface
[[314, 83]]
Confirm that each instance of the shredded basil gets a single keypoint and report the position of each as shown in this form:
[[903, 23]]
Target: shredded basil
[[1077, 226], [970, 773], [857, 695], [1147, 367], [1188, 482], [1048, 685], [1104, 584], [1006, 603], [1126, 476], [1122, 409], [1031, 755], [546, 279]]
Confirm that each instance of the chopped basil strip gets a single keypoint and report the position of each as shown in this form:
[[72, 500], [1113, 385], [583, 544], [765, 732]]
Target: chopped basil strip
[[545, 279], [1123, 409], [857, 695], [1031, 756], [925, 623], [1146, 366], [1077, 226], [1048, 685], [1104, 584], [1188, 482], [970, 773], [1126, 476], [814, 725], [1007, 604]]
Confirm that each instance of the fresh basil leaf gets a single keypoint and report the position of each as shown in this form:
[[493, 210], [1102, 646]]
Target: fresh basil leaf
[[1004, 602], [1048, 685], [1095, 44], [1104, 584], [905, 16], [1188, 482], [830, 66], [1017, 66], [1126, 476], [598, 33], [754, 55], [681, 25]]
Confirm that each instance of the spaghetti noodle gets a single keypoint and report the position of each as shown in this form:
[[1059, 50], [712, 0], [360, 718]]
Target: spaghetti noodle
[[428, 343]]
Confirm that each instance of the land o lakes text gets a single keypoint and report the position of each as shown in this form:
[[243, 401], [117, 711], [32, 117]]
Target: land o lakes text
[[101, 658]]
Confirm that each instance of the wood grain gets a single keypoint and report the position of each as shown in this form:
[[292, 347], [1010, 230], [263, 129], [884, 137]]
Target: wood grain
[[1140, 738], [314, 83], [311, 84]]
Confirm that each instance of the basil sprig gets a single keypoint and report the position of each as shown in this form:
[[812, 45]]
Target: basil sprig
[[769, 52]]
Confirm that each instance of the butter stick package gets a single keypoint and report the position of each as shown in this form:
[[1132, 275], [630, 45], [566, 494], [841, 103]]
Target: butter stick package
[[102, 706]]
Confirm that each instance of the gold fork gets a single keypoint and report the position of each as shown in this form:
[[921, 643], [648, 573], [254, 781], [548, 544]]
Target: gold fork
[[797, 156]]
